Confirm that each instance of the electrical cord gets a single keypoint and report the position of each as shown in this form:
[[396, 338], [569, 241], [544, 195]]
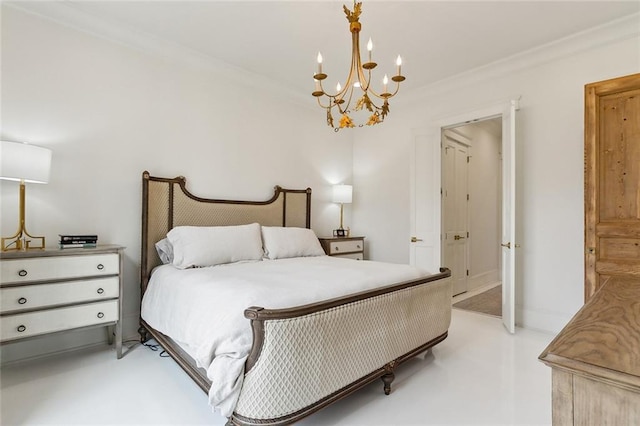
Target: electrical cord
[[155, 348]]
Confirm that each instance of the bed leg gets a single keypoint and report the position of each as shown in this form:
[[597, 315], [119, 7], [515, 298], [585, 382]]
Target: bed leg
[[388, 377], [144, 335]]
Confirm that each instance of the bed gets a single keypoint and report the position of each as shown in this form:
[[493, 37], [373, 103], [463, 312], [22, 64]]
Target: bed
[[342, 324]]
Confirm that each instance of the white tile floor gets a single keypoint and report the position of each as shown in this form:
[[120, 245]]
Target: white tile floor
[[479, 375]]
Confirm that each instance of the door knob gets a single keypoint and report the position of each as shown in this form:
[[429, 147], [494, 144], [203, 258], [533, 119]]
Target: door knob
[[415, 240], [508, 245], [458, 237]]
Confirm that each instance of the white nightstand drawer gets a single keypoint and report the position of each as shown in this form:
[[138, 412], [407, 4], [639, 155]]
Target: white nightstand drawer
[[356, 256], [337, 247], [42, 295], [30, 324], [50, 268]]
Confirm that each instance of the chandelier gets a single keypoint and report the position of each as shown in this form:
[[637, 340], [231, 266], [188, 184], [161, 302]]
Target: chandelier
[[377, 103]]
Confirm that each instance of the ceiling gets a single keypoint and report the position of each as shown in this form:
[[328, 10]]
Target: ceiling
[[278, 41]]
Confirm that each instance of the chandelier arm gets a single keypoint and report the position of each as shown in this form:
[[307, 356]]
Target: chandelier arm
[[362, 77], [347, 103], [396, 91], [379, 95], [329, 106]]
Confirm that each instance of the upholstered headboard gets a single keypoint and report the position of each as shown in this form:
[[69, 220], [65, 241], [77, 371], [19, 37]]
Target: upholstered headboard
[[167, 203]]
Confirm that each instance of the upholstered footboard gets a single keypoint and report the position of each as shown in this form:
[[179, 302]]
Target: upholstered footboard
[[305, 358]]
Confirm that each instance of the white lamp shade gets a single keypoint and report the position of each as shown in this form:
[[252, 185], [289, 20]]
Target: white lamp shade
[[342, 194], [21, 161]]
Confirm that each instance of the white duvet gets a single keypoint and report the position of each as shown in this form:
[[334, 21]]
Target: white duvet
[[203, 309]]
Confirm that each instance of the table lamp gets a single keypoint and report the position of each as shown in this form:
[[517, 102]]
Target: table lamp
[[342, 194], [23, 163]]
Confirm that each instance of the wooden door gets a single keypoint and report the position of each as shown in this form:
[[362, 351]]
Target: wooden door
[[455, 208], [612, 180]]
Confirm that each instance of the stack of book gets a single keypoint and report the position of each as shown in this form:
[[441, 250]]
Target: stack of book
[[78, 241]]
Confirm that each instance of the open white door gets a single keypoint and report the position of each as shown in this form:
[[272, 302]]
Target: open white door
[[424, 245], [509, 216]]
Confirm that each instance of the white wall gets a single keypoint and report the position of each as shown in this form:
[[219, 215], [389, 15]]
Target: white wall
[[550, 173], [110, 112]]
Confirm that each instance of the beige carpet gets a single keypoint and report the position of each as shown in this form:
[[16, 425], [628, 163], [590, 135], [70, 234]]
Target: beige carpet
[[489, 302]]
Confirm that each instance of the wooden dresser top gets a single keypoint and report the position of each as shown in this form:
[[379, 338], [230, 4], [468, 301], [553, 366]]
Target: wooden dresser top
[[603, 338]]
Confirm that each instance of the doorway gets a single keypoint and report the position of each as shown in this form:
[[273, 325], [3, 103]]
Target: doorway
[[472, 214], [425, 247]]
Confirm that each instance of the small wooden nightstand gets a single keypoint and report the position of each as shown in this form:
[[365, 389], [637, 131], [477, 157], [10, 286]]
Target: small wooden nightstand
[[53, 290], [349, 247]]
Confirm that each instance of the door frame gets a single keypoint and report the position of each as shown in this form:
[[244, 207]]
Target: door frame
[[429, 239]]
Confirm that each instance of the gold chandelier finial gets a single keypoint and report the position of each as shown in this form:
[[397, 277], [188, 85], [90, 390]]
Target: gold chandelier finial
[[355, 15], [359, 77]]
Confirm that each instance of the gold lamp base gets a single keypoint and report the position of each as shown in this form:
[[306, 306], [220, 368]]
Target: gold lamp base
[[22, 240], [341, 232]]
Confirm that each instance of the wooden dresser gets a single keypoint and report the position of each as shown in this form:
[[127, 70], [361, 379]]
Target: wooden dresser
[[595, 359], [52, 290]]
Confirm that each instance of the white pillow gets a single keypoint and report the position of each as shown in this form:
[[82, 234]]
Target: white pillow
[[198, 246], [284, 242], [165, 251]]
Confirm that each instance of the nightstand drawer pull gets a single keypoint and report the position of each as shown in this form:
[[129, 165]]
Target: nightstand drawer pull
[[21, 328], [100, 266], [22, 273], [337, 248], [358, 246], [22, 300], [100, 314], [100, 290]]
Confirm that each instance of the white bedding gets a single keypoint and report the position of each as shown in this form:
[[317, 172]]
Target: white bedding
[[203, 309]]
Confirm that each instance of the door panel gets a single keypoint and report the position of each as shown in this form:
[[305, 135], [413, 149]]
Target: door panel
[[455, 216], [612, 180]]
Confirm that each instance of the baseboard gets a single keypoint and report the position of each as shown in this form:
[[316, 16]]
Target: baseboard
[[544, 321], [480, 280], [22, 358]]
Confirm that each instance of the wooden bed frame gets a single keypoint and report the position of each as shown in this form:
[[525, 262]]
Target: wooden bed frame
[[307, 357]]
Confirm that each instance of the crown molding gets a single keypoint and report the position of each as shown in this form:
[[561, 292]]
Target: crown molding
[[593, 38], [67, 15]]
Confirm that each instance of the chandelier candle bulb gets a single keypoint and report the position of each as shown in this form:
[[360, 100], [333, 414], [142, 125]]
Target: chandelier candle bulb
[[399, 64], [385, 81], [338, 87], [319, 63], [370, 48]]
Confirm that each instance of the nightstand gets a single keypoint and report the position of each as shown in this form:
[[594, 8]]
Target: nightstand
[[349, 247], [54, 290]]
